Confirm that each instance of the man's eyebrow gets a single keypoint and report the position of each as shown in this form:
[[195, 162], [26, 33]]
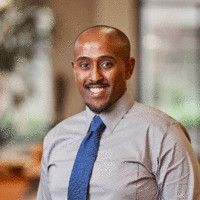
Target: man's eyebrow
[[85, 57], [108, 57], [81, 58]]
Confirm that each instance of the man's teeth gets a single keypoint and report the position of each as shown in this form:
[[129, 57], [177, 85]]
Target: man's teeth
[[96, 90]]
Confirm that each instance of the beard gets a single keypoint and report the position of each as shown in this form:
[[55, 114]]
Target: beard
[[96, 109]]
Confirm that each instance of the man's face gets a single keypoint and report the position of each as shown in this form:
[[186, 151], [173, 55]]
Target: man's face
[[100, 72]]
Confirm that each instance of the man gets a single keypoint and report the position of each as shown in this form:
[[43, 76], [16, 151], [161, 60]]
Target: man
[[139, 153]]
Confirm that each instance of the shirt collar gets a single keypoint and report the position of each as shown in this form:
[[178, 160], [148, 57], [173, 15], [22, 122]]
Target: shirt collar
[[114, 114]]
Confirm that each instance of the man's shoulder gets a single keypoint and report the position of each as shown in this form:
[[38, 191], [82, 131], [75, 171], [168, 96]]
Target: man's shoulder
[[73, 120], [154, 119], [151, 115], [69, 124]]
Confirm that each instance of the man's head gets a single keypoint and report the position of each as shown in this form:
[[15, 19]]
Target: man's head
[[101, 66]]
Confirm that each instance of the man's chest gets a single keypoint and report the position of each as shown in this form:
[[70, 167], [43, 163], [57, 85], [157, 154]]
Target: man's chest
[[120, 172]]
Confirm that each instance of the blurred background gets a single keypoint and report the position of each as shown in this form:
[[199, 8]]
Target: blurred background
[[37, 87]]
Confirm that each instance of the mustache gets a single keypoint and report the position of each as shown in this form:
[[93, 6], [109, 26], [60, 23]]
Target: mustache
[[98, 83]]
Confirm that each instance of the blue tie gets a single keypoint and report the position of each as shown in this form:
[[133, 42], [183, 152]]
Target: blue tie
[[85, 158]]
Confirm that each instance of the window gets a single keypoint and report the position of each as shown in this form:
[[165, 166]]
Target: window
[[170, 61]]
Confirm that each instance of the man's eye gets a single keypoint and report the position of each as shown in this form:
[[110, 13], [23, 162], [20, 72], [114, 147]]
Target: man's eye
[[106, 64], [84, 65]]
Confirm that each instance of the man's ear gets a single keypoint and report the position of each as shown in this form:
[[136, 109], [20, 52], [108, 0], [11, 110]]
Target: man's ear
[[130, 64], [74, 70]]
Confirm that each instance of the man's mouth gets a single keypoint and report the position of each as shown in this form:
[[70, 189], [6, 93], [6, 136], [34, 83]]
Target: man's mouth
[[96, 89]]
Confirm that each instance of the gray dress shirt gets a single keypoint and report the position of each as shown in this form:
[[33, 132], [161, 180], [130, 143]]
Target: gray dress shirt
[[144, 154]]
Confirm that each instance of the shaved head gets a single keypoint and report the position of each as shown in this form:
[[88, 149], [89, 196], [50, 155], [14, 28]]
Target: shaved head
[[115, 38]]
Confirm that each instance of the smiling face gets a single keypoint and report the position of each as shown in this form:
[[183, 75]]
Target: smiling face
[[100, 68]]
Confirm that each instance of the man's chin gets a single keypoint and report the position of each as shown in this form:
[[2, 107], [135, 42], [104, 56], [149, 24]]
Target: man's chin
[[97, 109]]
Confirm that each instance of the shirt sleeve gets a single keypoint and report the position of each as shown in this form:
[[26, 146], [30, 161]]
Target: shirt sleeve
[[43, 190], [178, 172]]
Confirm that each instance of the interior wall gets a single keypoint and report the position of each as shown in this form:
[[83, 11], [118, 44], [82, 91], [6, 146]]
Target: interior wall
[[74, 16], [71, 17]]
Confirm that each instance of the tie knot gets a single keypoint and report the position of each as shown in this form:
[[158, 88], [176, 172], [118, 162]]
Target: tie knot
[[97, 125]]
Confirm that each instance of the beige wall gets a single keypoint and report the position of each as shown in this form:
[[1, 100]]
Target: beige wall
[[74, 16], [71, 17]]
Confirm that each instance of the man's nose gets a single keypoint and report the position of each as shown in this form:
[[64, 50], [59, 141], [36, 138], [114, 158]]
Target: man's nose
[[96, 74]]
